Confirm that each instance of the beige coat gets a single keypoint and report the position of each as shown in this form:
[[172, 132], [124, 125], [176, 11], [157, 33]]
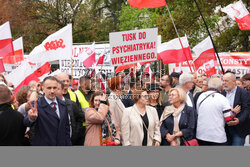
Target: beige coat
[[94, 120], [132, 126], [116, 106]]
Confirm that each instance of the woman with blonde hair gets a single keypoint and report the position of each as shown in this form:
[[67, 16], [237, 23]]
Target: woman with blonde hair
[[177, 123]]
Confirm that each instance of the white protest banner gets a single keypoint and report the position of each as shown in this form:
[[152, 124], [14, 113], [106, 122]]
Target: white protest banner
[[129, 47], [79, 69], [57, 46], [239, 63]]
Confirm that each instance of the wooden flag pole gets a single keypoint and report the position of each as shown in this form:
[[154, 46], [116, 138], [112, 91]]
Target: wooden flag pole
[[134, 70], [178, 36], [71, 69]]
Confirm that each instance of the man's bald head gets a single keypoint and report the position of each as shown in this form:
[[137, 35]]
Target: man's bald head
[[64, 77], [229, 81], [5, 95]]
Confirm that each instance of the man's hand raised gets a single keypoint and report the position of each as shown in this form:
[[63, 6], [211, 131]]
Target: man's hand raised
[[33, 113]]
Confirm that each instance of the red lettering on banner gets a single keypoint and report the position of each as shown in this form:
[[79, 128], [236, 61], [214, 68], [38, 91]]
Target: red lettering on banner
[[133, 58], [129, 37], [54, 45]]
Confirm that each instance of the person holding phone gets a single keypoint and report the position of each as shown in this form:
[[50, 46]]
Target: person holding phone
[[101, 126]]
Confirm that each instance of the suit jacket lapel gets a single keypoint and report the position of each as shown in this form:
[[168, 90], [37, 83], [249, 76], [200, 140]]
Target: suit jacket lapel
[[48, 109], [237, 97], [182, 115], [138, 115]]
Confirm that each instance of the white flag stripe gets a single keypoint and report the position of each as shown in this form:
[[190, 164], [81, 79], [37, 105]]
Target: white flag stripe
[[20, 73], [173, 44], [204, 45], [87, 52], [57, 46], [18, 44], [236, 9], [5, 32]]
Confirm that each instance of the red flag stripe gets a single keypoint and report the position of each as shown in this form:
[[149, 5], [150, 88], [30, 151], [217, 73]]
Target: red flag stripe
[[176, 56], [100, 60], [6, 48], [2, 69], [204, 57], [244, 22], [124, 67], [147, 3], [89, 61]]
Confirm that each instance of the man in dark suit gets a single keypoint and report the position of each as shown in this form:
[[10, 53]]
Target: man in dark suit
[[127, 99], [236, 129], [12, 130], [49, 117]]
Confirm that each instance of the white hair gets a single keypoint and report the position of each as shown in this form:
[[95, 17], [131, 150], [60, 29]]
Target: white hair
[[185, 77], [215, 83], [231, 75]]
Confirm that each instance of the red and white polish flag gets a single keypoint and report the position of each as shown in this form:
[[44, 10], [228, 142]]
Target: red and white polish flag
[[205, 56], [237, 11], [26, 73], [101, 59], [88, 56], [172, 52], [209, 68], [18, 53], [148, 70], [57, 46], [6, 45], [147, 3], [102, 82], [123, 67]]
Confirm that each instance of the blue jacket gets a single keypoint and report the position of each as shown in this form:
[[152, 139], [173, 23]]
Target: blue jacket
[[186, 125], [49, 129], [242, 98]]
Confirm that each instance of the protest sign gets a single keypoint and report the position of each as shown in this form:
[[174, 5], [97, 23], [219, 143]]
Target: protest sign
[[79, 69], [129, 47], [237, 62]]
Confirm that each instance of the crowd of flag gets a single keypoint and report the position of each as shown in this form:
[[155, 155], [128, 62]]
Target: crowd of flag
[[58, 46]]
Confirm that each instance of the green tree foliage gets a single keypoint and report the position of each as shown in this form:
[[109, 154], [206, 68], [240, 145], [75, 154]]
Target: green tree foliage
[[188, 21], [93, 20]]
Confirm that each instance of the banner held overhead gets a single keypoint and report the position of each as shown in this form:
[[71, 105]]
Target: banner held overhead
[[128, 47]]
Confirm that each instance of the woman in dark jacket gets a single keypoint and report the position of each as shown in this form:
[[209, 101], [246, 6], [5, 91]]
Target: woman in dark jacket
[[155, 99], [177, 121]]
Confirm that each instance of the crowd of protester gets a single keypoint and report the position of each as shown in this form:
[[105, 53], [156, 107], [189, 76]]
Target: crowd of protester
[[177, 109]]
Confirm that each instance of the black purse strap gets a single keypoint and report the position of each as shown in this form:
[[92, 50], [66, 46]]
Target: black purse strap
[[185, 140], [206, 98]]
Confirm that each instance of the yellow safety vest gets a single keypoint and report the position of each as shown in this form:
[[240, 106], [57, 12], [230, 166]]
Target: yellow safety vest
[[83, 102], [72, 96]]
